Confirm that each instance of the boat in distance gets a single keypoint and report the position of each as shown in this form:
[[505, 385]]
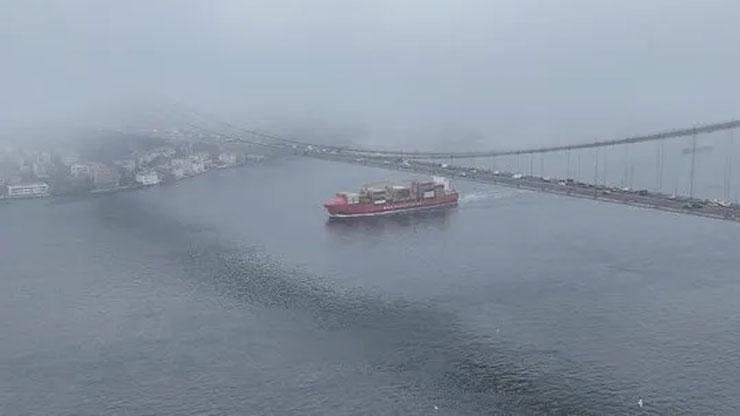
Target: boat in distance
[[377, 200]]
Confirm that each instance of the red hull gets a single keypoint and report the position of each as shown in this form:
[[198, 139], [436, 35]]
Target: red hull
[[338, 207]]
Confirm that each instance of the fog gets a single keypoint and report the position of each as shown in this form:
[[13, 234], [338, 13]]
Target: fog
[[182, 231], [421, 74]]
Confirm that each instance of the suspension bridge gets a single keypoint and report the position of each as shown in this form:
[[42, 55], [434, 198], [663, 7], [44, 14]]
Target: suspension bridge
[[687, 170]]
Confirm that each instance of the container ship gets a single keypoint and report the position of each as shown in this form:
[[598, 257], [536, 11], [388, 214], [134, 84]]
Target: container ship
[[375, 200]]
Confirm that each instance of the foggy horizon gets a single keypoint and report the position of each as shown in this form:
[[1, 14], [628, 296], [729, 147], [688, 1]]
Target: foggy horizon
[[422, 75]]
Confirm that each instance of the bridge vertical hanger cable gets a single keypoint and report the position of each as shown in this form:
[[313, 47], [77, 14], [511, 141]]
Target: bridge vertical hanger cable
[[531, 164], [604, 170], [659, 167], [542, 165], [567, 164], [693, 165], [730, 155], [596, 167], [578, 166], [725, 168], [626, 165], [727, 191]]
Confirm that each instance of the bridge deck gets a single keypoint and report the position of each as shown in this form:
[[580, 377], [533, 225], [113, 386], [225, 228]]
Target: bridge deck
[[564, 187]]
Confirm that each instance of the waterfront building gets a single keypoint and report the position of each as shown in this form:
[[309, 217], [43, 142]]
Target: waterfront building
[[103, 176], [80, 170], [30, 190], [147, 178]]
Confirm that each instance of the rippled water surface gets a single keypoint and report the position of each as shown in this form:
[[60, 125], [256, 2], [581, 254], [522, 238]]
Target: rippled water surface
[[231, 293]]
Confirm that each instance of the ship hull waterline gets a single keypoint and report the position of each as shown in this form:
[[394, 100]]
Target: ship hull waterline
[[398, 211]]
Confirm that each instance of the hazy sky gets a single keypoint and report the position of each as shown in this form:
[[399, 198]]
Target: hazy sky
[[410, 72]]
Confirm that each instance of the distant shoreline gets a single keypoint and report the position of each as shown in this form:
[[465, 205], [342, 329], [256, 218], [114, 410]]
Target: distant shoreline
[[117, 189]]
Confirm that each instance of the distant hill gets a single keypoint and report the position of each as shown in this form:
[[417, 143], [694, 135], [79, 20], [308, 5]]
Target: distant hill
[[107, 146], [102, 145]]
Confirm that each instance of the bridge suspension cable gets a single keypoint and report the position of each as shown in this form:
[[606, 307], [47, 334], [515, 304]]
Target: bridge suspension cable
[[670, 134]]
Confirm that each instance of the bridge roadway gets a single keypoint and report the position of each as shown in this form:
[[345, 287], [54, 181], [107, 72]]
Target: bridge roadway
[[564, 187]]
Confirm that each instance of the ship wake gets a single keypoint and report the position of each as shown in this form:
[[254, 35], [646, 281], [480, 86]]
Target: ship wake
[[488, 195]]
